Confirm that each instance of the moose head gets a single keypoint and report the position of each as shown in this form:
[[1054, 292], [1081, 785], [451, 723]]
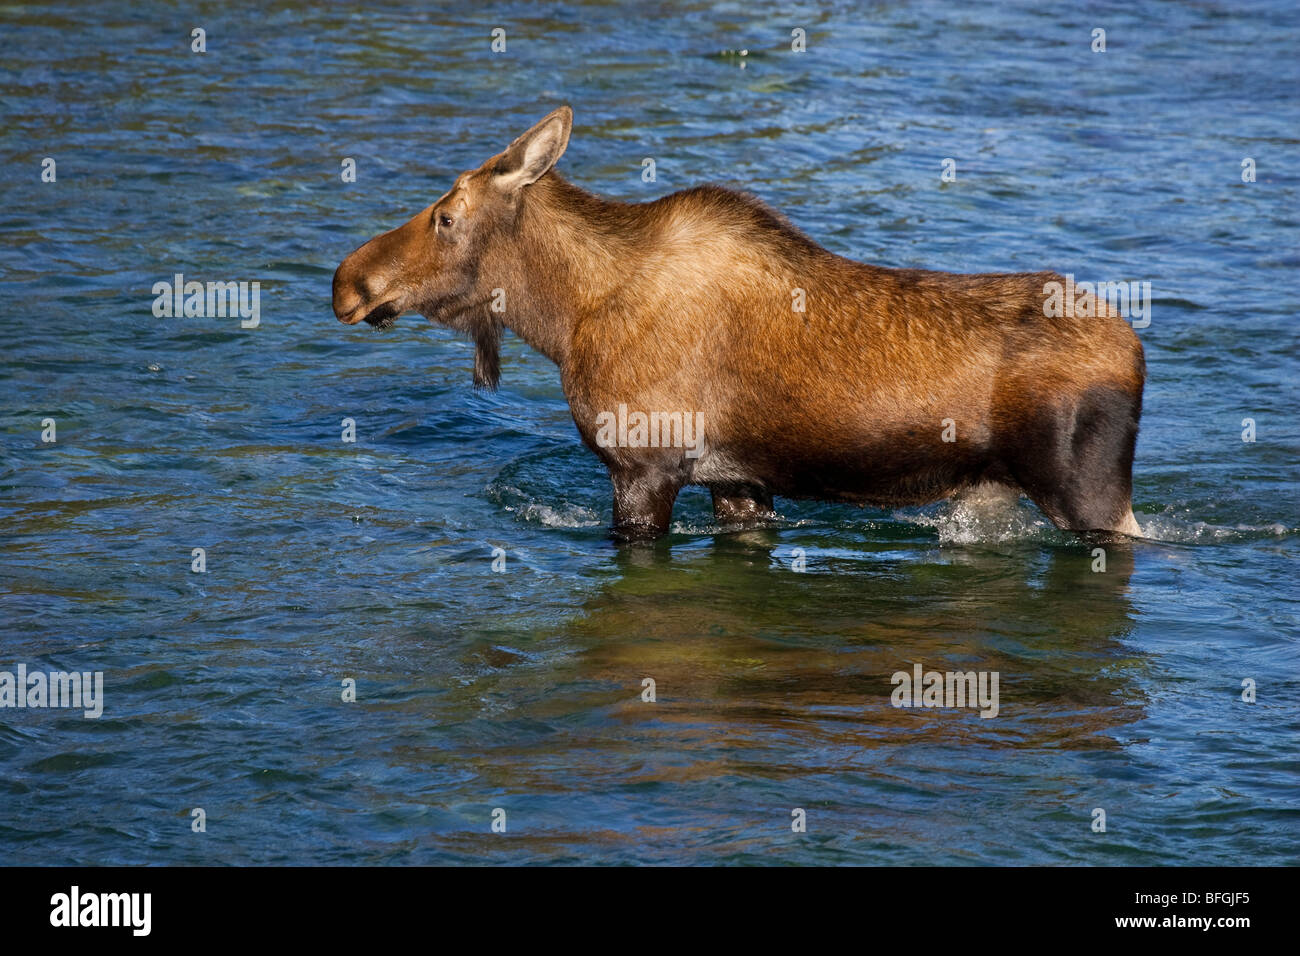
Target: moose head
[[450, 260]]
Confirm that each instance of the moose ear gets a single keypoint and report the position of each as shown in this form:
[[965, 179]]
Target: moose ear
[[528, 158]]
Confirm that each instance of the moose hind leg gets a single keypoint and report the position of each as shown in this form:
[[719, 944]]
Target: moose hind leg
[[741, 505], [1076, 461]]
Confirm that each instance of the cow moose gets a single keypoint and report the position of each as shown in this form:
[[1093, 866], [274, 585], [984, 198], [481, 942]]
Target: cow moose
[[702, 339]]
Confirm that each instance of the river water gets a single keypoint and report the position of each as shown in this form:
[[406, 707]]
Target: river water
[[521, 690]]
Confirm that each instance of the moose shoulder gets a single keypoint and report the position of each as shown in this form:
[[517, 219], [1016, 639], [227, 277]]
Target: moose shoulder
[[702, 339]]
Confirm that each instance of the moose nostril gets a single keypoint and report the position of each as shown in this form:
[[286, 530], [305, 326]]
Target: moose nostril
[[344, 308], [346, 297], [345, 303], [357, 285]]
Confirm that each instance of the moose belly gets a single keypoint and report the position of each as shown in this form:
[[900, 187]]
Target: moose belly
[[888, 469]]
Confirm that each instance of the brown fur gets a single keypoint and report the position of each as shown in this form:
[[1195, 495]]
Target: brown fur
[[685, 304]]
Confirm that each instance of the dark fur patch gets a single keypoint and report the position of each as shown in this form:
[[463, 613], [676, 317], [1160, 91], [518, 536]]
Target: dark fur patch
[[487, 353]]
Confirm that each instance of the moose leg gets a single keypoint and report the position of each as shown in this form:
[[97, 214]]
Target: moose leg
[[643, 503], [741, 505], [1076, 463]]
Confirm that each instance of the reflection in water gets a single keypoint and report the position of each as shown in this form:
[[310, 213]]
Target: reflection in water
[[774, 686], [737, 637]]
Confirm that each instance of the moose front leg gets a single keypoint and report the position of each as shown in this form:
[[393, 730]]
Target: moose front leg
[[741, 505], [643, 503]]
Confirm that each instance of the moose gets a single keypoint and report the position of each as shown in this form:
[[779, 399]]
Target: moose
[[807, 375]]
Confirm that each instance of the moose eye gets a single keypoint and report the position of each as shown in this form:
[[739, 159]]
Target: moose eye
[[444, 220]]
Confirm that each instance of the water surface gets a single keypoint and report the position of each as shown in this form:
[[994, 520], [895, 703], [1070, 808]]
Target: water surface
[[521, 690]]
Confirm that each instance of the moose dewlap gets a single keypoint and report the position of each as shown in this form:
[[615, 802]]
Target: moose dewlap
[[760, 363]]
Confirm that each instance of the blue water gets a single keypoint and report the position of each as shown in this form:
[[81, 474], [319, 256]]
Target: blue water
[[520, 690]]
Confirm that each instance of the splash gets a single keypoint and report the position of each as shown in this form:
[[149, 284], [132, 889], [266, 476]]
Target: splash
[[565, 516], [1175, 525], [986, 514], [560, 515], [992, 514]]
